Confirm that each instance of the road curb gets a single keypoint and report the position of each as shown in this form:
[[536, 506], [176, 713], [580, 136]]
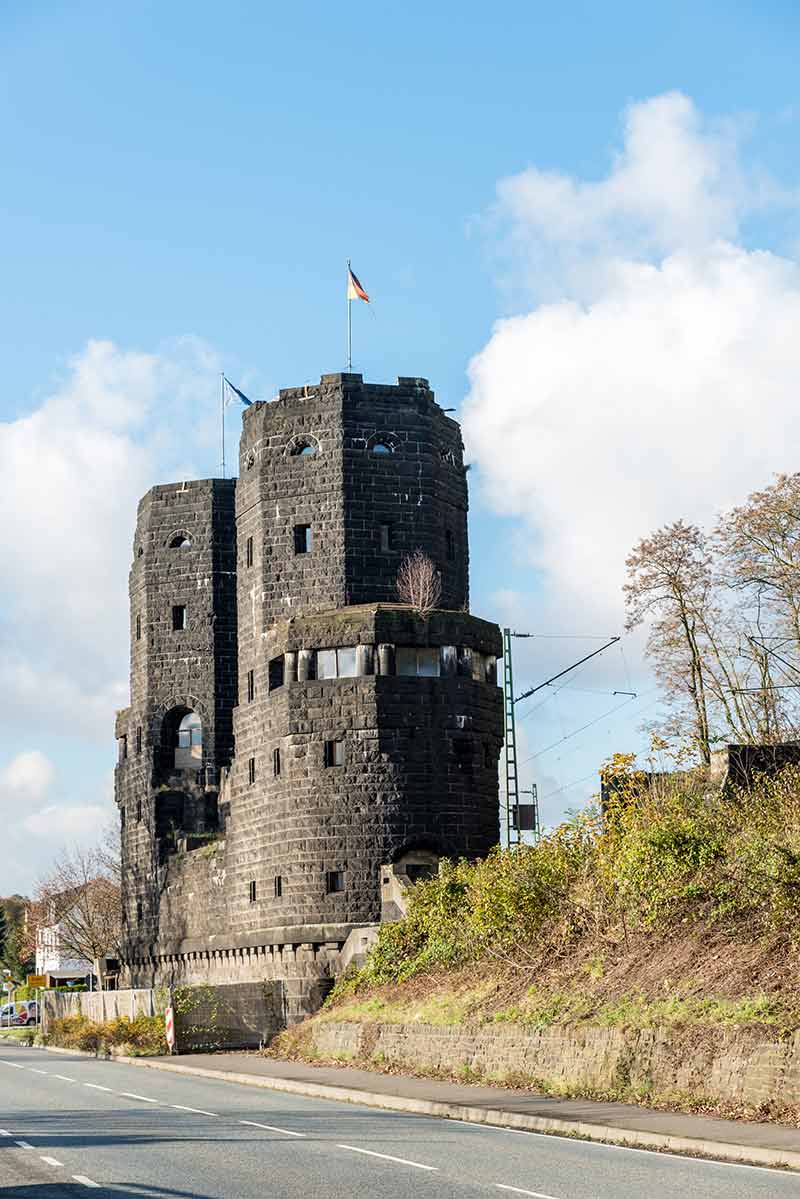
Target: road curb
[[631, 1138]]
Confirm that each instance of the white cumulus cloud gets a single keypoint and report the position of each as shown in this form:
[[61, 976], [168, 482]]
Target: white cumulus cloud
[[657, 378]]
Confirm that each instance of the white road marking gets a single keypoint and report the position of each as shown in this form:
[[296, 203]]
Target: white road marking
[[388, 1157], [51, 1161], [63, 1078], [14, 1065], [519, 1191], [3, 1133], [130, 1095], [35, 1071], [23, 1145], [96, 1087], [198, 1111], [87, 1182], [271, 1128]]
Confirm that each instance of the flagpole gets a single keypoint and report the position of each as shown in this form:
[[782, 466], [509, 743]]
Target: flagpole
[[349, 321], [222, 416]]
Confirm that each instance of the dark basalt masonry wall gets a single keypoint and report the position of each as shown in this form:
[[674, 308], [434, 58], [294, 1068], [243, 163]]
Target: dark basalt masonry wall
[[255, 855]]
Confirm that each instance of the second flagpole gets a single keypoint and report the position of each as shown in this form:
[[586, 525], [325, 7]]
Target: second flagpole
[[349, 321], [222, 416]]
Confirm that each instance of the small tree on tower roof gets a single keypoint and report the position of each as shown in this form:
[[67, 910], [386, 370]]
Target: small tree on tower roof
[[419, 583]]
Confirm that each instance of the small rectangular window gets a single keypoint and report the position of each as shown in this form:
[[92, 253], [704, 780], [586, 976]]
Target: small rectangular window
[[302, 539], [123, 747], [252, 890], [138, 810], [334, 753], [248, 551], [488, 756], [139, 912], [251, 770], [122, 817], [346, 663], [334, 882], [138, 628], [326, 663], [451, 544], [276, 761], [422, 661], [178, 616], [405, 661], [278, 886], [386, 538], [138, 741], [251, 686], [275, 675]]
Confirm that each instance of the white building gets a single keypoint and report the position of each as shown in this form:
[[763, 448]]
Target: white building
[[53, 960]]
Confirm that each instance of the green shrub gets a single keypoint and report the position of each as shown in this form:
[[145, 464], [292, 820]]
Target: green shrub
[[140, 1035], [661, 855]]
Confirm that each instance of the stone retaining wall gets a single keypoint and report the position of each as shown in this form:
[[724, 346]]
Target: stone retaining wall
[[749, 1066]]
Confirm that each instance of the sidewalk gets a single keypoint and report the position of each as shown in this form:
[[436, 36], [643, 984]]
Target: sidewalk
[[616, 1123]]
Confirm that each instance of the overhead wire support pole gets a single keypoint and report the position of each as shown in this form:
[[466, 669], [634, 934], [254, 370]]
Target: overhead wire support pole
[[512, 781]]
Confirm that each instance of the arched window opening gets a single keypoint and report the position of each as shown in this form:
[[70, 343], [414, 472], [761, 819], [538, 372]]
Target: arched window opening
[[140, 551], [181, 541], [303, 447], [382, 447], [182, 740]]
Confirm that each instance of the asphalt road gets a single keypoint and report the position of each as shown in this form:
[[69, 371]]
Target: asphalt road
[[72, 1124]]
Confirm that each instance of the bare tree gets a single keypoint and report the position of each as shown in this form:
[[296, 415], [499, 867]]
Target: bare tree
[[419, 583], [81, 897]]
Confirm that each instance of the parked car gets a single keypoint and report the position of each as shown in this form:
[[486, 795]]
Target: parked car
[[27, 1012]]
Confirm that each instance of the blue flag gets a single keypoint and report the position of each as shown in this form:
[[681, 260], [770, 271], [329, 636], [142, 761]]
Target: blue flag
[[234, 393]]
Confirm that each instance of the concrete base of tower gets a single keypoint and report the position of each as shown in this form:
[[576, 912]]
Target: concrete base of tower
[[305, 960]]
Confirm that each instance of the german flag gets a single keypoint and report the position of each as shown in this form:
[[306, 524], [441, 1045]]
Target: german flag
[[354, 289]]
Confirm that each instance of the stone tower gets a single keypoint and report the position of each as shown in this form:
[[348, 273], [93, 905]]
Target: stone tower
[[177, 735], [365, 735]]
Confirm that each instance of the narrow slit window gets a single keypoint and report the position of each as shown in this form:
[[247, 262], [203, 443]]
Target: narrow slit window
[[278, 886], [251, 770], [179, 617], [334, 882], [123, 747], [248, 551], [462, 751], [122, 817], [139, 910], [252, 890], [276, 761], [251, 686], [334, 753], [302, 539], [386, 538], [488, 756], [450, 542], [138, 628], [138, 810], [138, 741]]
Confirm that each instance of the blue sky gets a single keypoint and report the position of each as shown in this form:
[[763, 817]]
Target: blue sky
[[183, 183]]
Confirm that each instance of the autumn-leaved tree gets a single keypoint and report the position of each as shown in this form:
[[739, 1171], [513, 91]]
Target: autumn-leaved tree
[[669, 586], [419, 583], [81, 896]]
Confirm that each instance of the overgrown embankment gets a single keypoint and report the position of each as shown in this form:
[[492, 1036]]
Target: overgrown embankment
[[651, 955]]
